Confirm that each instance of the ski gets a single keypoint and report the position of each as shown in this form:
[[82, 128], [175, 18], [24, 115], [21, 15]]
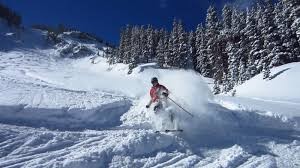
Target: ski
[[175, 130], [168, 130]]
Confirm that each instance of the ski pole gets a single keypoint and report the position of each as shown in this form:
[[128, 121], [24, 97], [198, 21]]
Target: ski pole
[[181, 107]]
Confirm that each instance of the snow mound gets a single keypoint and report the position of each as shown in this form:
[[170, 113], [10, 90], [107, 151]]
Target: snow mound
[[231, 157], [283, 84], [37, 91], [82, 149]]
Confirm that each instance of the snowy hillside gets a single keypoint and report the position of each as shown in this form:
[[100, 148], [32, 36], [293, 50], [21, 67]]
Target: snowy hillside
[[283, 84], [62, 112], [280, 94], [71, 44]]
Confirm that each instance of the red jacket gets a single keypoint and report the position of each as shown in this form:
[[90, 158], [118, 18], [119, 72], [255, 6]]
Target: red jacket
[[156, 90]]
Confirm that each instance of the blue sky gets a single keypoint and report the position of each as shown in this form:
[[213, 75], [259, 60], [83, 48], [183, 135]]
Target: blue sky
[[104, 18]]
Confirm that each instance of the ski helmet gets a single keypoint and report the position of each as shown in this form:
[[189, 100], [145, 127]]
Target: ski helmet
[[154, 80]]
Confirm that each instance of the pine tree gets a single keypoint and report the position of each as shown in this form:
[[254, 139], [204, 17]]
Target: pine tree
[[252, 35], [127, 44], [214, 51], [192, 61], [266, 71], [226, 83], [198, 42], [257, 49], [160, 49], [157, 35], [112, 55], [203, 62], [296, 28], [135, 49], [290, 14], [121, 49], [150, 45], [160, 53], [269, 35], [224, 37], [143, 45], [212, 31], [227, 17], [181, 56], [166, 49], [173, 46], [216, 88], [233, 65], [237, 51], [244, 47], [280, 54]]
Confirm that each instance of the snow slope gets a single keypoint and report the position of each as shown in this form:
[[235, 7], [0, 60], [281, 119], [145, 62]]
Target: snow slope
[[279, 95], [283, 85], [58, 112]]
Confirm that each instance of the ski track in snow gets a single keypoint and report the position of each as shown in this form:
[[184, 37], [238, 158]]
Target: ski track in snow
[[46, 124]]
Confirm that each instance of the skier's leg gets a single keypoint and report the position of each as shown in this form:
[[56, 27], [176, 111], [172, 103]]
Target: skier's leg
[[173, 120], [175, 124], [159, 113], [171, 117]]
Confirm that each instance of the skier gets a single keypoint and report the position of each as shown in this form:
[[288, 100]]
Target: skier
[[157, 93]]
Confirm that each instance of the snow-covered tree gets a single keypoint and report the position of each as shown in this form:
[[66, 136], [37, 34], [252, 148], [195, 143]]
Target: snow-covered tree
[[135, 49], [256, 50], [269, 34], [161, 48], [266, 71], [160, 52], [127, 44], [251, 33], [233, 65], [203, 64], [150, 51], [288, 33], [181, 56], [173, 47], [192, 61], [143, 44], [121, 49], [227, 17], [212, 32], [111, 55]]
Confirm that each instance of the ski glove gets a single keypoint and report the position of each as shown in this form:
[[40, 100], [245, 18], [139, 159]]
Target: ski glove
[[165, 94], [147, 106]]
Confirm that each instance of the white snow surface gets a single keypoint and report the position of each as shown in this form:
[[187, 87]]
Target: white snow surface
[[58, 112], [282, 85]]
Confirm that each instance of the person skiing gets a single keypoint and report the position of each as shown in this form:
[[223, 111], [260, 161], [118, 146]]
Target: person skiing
[[157, 93]]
